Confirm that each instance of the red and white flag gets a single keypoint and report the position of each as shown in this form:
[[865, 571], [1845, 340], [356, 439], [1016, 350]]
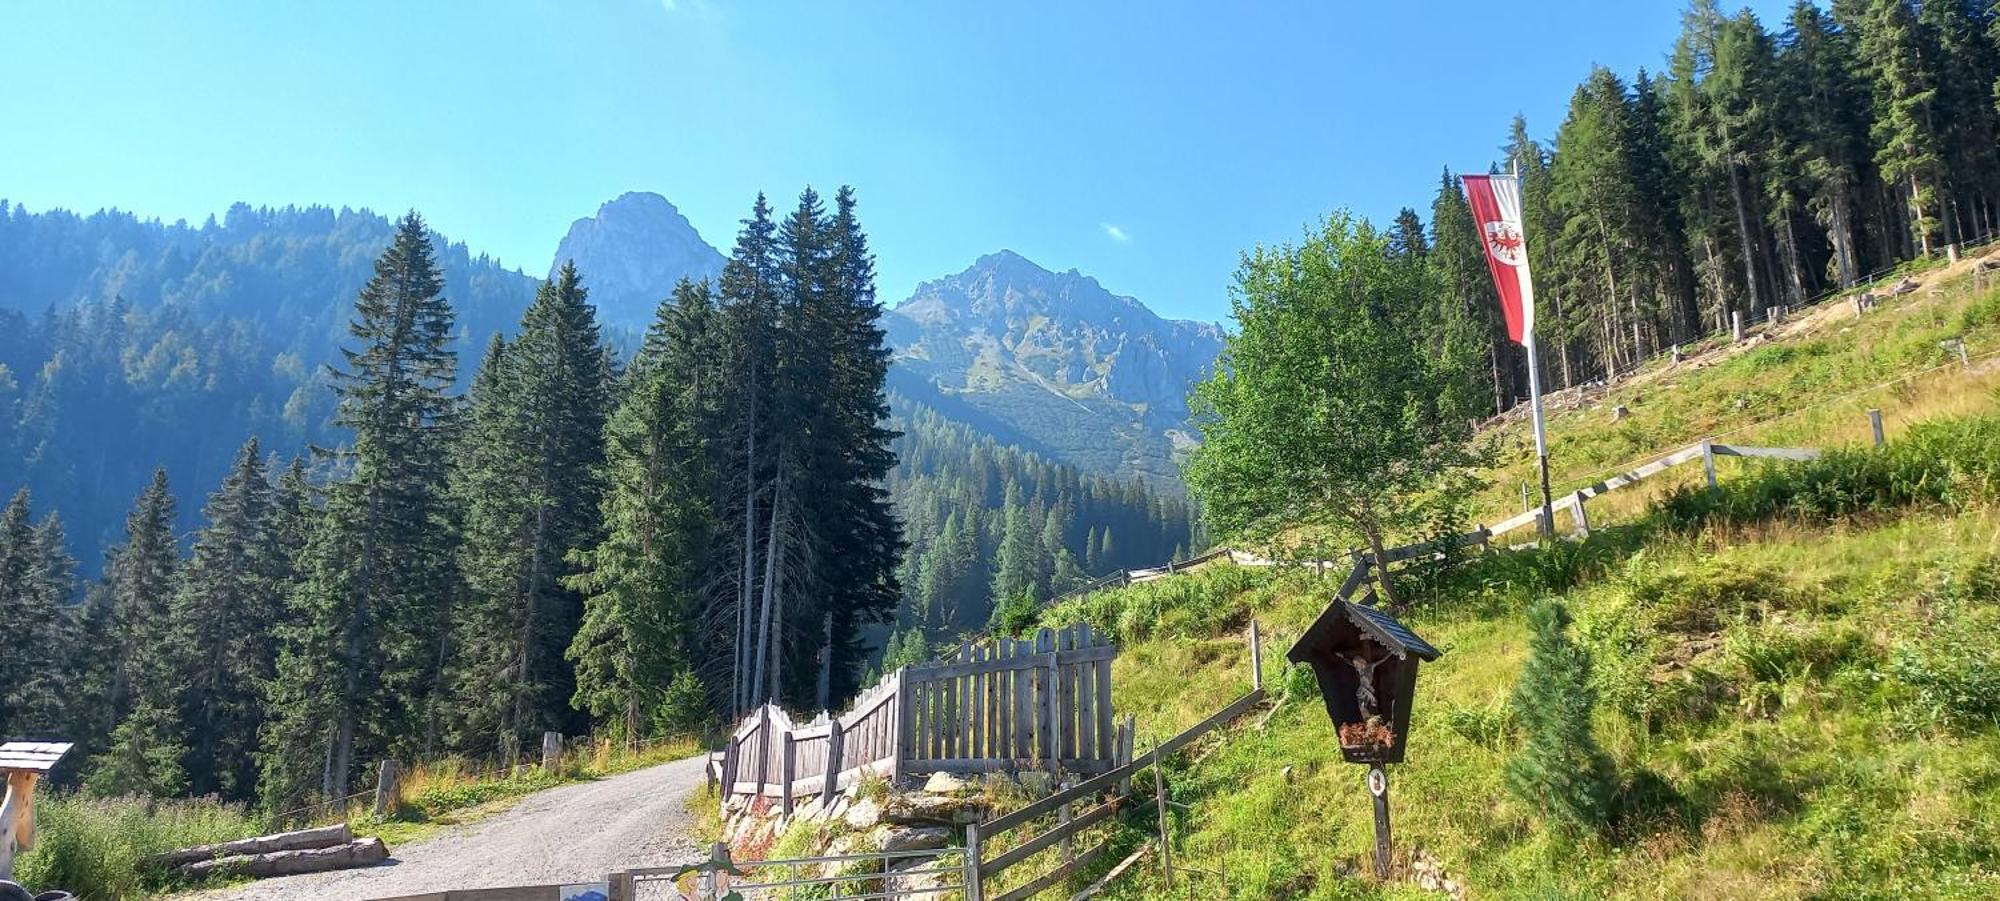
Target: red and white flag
[[1496, 210]]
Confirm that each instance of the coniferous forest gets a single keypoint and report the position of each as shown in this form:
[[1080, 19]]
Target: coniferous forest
[[1768, 163], [569, 542], [992, 525]]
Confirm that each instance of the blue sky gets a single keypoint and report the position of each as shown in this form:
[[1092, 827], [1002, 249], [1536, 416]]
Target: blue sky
[[1145, 144]]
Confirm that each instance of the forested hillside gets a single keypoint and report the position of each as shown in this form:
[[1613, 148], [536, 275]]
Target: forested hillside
[[132, 344], [1768, 162], [989, 523]]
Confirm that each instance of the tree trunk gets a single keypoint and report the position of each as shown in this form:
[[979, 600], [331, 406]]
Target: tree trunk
[[766, 645], [1744, 233], [1842, 235], [745, 689]]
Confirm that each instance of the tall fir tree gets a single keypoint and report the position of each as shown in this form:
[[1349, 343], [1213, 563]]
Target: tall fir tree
[[642, 582], [529, 486], [147, 746], [230, 598], [368, 647]]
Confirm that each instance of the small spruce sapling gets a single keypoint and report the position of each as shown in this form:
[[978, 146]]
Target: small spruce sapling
[[1560, 769]]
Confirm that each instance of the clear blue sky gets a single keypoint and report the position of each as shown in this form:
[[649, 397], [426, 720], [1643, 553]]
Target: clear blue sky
[[1146, 144]]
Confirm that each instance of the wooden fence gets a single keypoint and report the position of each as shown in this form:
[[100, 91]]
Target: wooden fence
[[1360, 562], [1037, 703]]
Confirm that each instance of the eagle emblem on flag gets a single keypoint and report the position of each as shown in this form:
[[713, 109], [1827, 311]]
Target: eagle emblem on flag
[[1505, 242]]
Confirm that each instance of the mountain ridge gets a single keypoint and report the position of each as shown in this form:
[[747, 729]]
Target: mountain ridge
[[1061, 358]]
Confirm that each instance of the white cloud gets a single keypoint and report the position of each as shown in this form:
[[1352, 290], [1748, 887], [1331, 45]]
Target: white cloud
[[1115, 233]]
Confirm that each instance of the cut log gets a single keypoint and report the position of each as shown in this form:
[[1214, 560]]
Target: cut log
[[323, 837], [364, 852]]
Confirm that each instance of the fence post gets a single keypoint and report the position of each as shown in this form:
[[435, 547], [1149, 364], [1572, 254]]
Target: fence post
[[1125, 742], [1736, 325], [763, 748], [835, 739], [1582, 518], [1166, 835], [551, 749], [1256, 656], [1708, 460], [1062, 819], [788, 766], [904, 726], [1875, 422], [974, 890], [385, 788], [1052, 707]]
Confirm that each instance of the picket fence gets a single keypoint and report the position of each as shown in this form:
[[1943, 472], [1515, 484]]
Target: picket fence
[[1010, 704]]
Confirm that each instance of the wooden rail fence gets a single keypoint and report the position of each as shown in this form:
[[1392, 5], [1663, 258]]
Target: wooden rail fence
[[1574, 502], [1037, 703]]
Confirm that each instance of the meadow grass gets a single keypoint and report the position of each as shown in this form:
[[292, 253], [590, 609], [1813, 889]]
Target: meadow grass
[[1795, 677], [1794, 713]]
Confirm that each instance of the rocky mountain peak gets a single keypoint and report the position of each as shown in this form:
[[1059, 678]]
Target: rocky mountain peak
[[632, 253]]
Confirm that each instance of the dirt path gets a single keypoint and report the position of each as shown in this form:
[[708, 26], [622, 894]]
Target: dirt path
[[576, 833]]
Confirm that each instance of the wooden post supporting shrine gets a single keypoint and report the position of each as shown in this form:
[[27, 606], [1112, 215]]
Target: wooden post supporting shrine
[[1378, 786]]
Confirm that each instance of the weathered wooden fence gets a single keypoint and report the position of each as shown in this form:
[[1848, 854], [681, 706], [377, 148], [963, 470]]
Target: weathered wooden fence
[[1037, 703]]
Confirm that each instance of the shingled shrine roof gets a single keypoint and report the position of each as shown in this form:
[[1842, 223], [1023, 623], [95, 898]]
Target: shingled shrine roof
[[1370, 621]]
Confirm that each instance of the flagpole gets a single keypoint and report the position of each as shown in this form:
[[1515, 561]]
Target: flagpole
[[1541, 436], [1548, 523]]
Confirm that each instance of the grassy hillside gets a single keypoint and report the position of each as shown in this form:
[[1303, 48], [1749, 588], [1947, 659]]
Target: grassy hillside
[[1796, 676]]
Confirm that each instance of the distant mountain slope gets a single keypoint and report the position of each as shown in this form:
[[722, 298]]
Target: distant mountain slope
[[127, 344], [1054, 362], [632, 252]]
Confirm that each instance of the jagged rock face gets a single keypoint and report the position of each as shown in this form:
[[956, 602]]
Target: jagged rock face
[[1091, 377], [632, 253]]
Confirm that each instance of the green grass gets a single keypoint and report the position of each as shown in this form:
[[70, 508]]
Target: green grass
[[1807, 715], [1809, 386], [96, 847], [1796, 673]]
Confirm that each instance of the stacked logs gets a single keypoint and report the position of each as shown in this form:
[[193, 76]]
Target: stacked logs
[[284, 854]]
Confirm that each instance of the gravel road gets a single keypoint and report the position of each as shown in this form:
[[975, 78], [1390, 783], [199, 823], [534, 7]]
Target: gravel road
[[576, 833]]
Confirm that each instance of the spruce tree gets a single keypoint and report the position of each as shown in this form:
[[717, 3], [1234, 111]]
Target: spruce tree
[[140, 583], [229, 601], [528, 482], [1560, 768], [1908, 136], [642, 582], [149, 741], [34, 584], [362, 670]]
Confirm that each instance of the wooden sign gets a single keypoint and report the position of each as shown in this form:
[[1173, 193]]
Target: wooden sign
[[24, 763]]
